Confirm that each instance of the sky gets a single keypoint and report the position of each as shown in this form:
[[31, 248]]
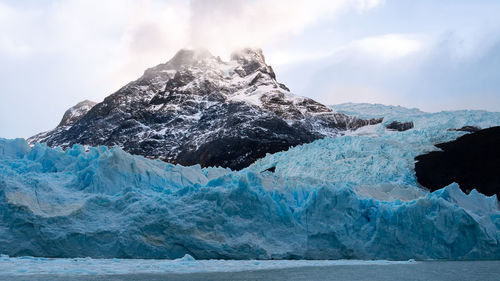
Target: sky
[[433, 55]]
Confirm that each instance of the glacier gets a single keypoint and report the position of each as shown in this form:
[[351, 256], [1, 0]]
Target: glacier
[[350, 197]]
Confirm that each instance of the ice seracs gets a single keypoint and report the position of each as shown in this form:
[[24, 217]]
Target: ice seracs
[[106, 203]]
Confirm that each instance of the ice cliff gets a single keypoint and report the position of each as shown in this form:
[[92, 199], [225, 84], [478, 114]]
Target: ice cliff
[[353, 196]]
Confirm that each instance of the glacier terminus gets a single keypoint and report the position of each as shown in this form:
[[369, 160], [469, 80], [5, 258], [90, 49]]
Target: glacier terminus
[[354, 196]]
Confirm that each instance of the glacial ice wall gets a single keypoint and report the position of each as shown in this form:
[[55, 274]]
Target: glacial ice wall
[[349, 197]]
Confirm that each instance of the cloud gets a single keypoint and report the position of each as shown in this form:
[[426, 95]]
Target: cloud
[[226, 25], [382, 49], [388, 46], [449, 71], [125, 33]]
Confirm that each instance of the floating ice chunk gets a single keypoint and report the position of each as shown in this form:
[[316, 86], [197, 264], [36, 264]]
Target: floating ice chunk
[[82, 267], [186, 257]]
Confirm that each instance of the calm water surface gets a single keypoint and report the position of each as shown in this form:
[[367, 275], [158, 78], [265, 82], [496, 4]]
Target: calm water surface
[[425, 271]]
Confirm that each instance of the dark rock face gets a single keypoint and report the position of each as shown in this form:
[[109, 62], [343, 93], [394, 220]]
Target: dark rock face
[[470, 129], [399, 126], [473, 161], [198, 109]]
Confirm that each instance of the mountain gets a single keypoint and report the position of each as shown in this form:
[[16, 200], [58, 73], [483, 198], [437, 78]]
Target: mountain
[[198, 109]]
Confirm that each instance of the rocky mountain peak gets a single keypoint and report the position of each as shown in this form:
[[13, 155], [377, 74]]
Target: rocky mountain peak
[[246, 55], [72, 115], [189, 57], [198, 109], [182, 60], [251, 60]]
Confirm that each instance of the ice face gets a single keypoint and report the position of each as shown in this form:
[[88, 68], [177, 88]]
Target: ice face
[[350, 197]]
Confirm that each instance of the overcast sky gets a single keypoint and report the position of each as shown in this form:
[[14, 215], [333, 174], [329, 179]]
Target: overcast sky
[[434, 55]]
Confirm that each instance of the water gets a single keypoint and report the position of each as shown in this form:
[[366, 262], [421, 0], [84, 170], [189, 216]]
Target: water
[[425, 271]]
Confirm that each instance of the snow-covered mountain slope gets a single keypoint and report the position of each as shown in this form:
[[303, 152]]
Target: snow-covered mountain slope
[[198, 109], [108, 203]]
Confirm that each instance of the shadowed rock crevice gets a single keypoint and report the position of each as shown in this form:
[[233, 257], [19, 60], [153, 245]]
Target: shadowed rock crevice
[[399, 126]]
